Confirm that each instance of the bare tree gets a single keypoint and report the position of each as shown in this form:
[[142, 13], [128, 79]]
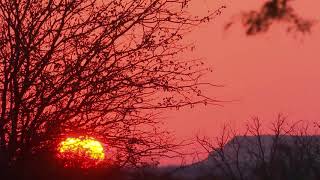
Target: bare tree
[[103, 68], [285, 151]]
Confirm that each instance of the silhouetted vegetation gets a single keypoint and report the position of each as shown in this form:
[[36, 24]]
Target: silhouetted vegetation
[[272, 11], [94, 67], [45, 166], [288, 152], [107, 68]]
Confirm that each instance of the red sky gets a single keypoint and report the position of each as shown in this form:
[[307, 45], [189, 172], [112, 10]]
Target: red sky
[[268, 73]]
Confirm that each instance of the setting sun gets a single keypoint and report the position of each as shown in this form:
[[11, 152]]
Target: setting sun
[[81, 151]]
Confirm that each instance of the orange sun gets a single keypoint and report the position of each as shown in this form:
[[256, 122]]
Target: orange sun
[[81, 152]]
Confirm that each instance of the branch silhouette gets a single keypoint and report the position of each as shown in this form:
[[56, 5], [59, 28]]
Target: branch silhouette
[[100, 68], [272, 11]]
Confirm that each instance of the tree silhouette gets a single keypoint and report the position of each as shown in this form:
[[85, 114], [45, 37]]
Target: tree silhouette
[[272, 11], [94, 67], [288, 151]]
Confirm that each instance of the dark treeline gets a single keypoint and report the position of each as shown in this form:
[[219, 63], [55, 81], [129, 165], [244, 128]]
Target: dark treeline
[[288, 152]]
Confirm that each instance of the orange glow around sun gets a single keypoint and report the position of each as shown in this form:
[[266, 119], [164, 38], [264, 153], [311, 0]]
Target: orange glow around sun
[[81, 152]]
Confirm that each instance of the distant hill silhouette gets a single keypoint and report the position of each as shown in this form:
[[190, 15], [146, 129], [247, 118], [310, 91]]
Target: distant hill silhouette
[[243, 154]]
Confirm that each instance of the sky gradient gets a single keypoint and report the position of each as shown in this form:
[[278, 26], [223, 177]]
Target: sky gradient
[[265, 74]]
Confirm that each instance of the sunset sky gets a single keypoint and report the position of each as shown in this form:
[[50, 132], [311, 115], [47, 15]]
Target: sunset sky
[[82, 84], [264, 75]]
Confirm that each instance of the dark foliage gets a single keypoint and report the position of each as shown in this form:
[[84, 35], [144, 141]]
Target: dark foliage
[[273, 11]]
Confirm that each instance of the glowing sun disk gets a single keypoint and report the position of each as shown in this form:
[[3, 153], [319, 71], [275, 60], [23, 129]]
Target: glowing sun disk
[[82, 146]]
